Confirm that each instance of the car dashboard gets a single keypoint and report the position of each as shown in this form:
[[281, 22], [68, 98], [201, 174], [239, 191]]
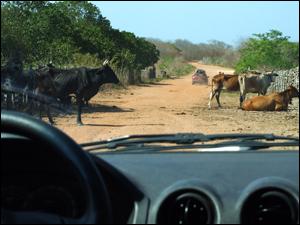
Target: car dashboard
[[256, 187], [236, 187]]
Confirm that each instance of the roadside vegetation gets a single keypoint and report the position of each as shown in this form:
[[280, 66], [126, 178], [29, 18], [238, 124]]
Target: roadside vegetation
[[172, 60], [267, 51], [68, 33], [271, 51], [175, 66], [74, 33]]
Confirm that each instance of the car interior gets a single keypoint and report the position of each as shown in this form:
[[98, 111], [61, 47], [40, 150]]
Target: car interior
[[149, 112], [48, 178]]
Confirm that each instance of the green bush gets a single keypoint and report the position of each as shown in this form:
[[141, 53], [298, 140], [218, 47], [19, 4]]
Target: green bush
[[268, 51], [66, 32], [175, 66]]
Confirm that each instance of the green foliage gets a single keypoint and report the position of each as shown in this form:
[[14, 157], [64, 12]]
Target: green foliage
[[124, 59], [175, 66], [88, 60], [166, 48], [270, 50], [66, 31], [165, 62], [214, 52], [182, 70]]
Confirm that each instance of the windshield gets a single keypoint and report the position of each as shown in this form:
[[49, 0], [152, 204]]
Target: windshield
[[102, 70]]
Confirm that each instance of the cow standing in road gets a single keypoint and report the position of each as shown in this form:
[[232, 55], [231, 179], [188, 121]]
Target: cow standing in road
[[220, 82], [16, 84], [82, 82]]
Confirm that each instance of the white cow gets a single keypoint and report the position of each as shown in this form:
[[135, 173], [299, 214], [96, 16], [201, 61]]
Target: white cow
[[255, 83]]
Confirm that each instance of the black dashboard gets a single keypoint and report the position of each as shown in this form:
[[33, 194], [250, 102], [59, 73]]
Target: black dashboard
[[206, 188], [182, 188]]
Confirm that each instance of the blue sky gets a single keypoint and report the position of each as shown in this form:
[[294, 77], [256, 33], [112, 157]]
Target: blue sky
[[198, 22]]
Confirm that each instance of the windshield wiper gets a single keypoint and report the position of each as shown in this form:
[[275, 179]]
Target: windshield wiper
[[190, 140]]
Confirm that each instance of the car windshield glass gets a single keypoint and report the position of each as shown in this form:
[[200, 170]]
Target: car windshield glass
[[105, 70]]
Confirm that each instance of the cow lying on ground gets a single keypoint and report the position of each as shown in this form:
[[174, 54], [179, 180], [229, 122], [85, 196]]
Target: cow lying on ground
[[220, 82], [272, 102], [82, 82], [255, 83]]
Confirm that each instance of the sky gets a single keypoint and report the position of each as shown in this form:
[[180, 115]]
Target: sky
[[200, 22]]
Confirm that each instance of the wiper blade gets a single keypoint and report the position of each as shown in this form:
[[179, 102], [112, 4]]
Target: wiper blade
[[180, 138], [189, 139], [229, 147]]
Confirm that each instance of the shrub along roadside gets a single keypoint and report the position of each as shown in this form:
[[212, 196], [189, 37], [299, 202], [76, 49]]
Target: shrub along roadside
[[68, 33], [174, 66], [271, 51]]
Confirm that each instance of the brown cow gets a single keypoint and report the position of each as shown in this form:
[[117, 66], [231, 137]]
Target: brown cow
[[222, 81], [273, 102]]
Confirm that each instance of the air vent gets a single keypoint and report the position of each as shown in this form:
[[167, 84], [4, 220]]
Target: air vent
[[186, 208], [270, 206]]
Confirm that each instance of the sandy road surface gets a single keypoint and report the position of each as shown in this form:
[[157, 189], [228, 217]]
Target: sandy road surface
[[170, 106]]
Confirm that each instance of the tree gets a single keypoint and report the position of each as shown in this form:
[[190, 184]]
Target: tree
[[58, 31], [269, 50]]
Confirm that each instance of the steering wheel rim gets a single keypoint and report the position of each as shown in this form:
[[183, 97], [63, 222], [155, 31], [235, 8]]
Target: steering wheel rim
[[98, 208]]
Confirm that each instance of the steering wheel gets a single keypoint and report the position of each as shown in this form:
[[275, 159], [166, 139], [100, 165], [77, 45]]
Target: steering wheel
[[98, 208]]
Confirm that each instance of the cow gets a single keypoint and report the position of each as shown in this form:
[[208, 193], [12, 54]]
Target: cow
[[9, 74], [27, 84], [44, 91], [272, 102], [82, 82], [222, 81], [255, 83], [6, 94], [17, 83], [91, 92]]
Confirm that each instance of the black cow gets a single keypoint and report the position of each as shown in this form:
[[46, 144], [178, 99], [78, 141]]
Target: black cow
[[8, 73], [81, 82], [91, 92], [16, 84], [6, 87]]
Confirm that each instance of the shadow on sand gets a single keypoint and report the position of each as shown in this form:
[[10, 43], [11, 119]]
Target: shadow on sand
[[129, 125], [102, 108], [152, 84]]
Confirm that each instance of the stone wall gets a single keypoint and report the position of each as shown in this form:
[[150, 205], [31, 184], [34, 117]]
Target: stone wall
[[285, 78]]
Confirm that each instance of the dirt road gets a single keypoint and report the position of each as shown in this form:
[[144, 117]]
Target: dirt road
[[170, 106]]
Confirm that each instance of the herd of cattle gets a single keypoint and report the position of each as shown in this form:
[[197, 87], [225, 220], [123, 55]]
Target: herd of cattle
[[253, 82], [49, 85]]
